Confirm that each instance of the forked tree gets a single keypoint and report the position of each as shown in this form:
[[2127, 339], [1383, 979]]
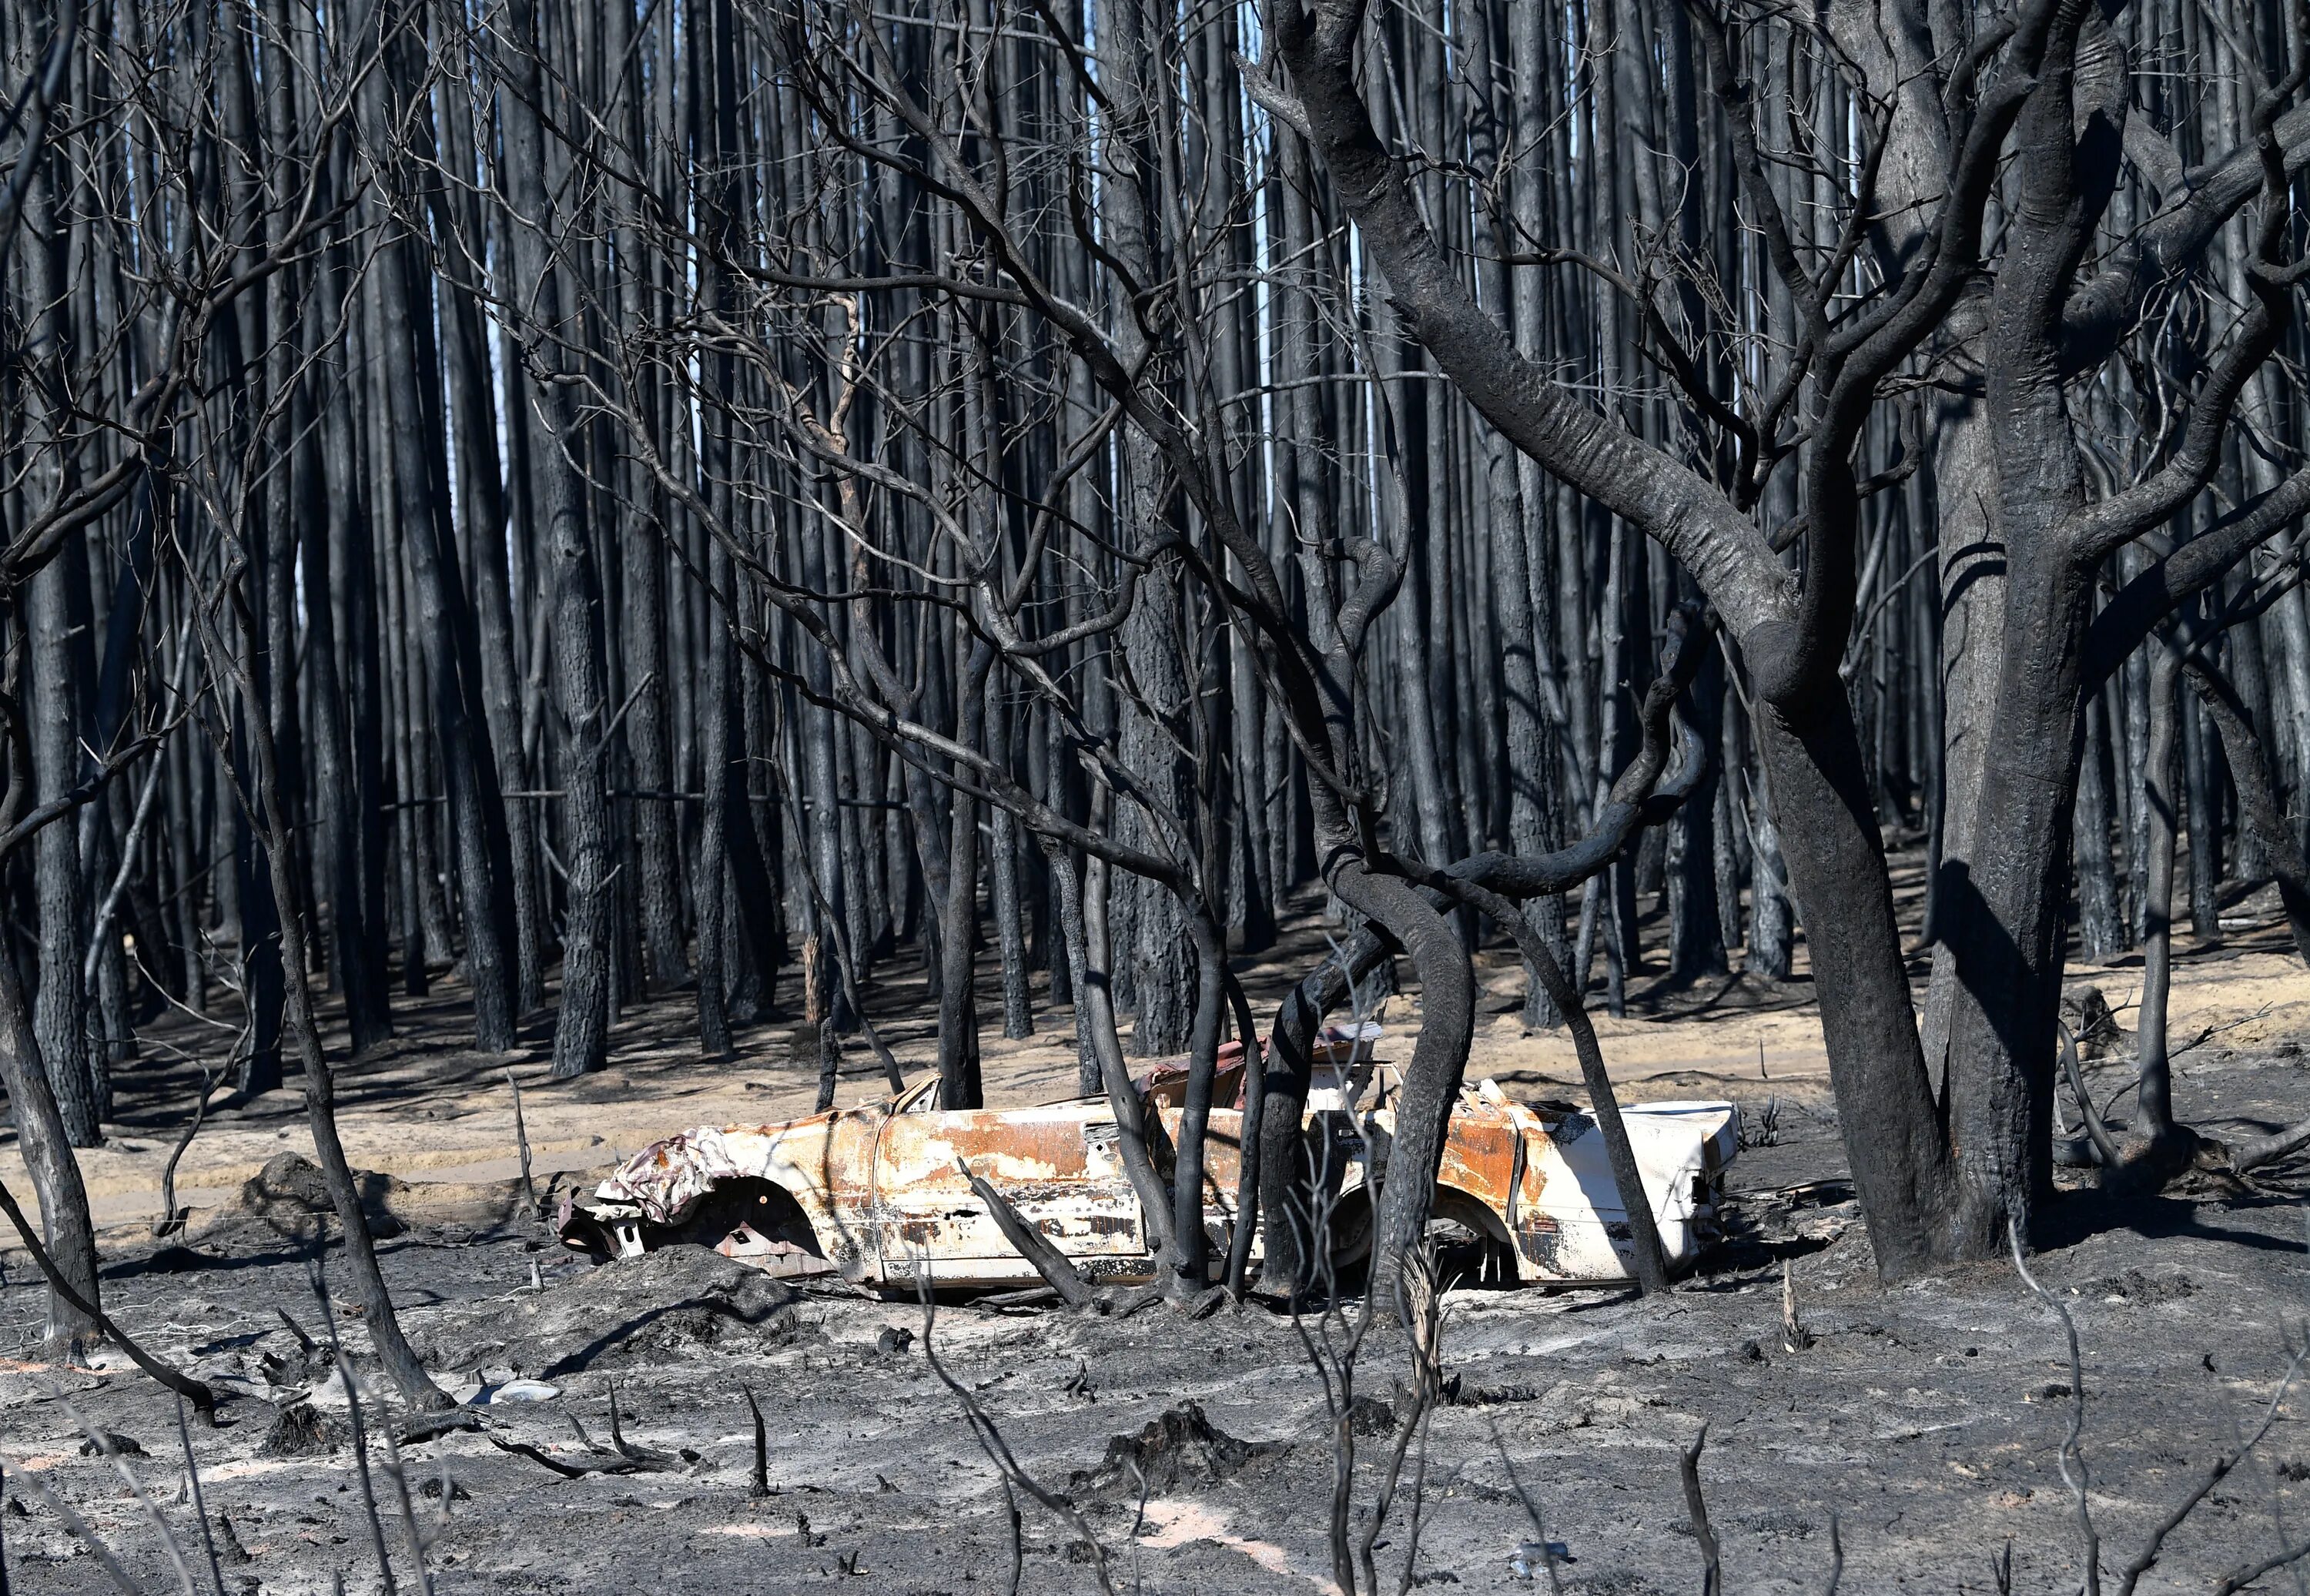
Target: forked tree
[[1970, 252]]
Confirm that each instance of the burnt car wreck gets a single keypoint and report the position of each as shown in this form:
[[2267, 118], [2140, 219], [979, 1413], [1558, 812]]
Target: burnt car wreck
[[879, 1194]]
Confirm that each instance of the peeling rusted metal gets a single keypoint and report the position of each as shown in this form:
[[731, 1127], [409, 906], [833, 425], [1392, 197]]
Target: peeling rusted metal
[[878, 1193]]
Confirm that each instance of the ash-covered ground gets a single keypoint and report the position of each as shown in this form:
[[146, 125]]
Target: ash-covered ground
[[1924, 1420]]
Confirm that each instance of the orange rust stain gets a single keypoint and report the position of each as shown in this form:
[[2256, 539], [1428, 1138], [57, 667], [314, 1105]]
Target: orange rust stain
[[1479, 1155]]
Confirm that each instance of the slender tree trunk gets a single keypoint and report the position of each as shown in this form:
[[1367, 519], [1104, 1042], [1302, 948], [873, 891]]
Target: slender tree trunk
[[654, 821], [46, 1144], [1695, 926], [1003, 883], [77, 1073], [467, 765], [2202, 783], [959, 1083], [2101, 926], [573, 588], [2259, 814], [1771, 932], [712, 855], [2154, 1118], [271, 821]]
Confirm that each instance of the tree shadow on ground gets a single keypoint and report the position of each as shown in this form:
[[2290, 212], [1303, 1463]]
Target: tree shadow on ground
[[2079, 1217]]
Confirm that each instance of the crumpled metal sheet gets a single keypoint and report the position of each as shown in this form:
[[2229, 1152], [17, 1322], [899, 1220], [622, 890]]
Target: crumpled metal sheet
[[667, 1178]]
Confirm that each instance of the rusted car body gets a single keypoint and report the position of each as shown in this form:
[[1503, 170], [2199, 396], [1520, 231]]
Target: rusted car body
[[877, 1193]]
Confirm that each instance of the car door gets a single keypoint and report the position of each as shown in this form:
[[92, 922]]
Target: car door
[[1057, 1163]]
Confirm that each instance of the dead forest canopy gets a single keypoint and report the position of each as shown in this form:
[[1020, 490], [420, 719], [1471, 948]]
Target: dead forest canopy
[[738, 497]]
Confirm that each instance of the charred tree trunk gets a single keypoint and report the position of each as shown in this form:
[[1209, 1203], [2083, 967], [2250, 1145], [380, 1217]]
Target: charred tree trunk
[[567, 571]]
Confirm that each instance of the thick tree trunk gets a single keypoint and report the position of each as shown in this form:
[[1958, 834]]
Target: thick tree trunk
[[1837, 873], [1438, 1063], [1162, 974], [1159, 984], [2003, 913]]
